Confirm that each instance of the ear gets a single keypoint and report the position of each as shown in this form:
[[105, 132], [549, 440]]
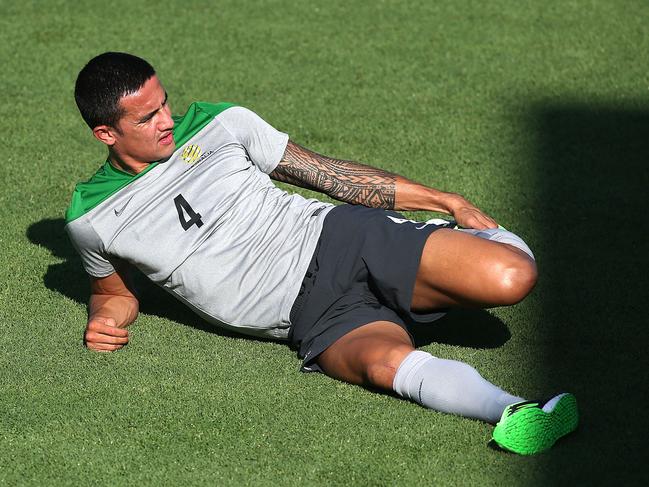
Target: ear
[[105, 134]]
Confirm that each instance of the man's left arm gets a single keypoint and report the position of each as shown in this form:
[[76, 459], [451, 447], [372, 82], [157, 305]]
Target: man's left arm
[[355, 183]]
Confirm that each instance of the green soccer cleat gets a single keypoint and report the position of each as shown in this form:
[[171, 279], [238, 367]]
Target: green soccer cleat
[[528, 427]]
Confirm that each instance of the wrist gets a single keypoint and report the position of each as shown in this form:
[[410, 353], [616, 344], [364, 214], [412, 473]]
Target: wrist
[[445, 202], [413, 196]]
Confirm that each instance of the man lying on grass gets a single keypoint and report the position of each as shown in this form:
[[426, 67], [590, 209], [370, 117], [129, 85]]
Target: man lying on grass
[[189, 201]]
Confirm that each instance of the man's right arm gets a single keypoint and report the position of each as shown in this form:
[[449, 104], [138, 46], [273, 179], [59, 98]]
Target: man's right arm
[[356, 183], [112, 307]]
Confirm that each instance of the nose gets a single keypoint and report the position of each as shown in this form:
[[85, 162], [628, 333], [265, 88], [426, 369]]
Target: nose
[[166, 122]]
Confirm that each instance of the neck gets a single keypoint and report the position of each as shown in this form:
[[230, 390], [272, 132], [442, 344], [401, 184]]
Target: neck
[[128, 165]]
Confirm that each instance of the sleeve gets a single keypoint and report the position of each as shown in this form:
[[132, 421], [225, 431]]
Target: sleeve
[[265, 144], [90, 247]]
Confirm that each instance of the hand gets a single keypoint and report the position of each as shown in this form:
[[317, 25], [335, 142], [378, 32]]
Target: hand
[[468, 216], [102, 335]]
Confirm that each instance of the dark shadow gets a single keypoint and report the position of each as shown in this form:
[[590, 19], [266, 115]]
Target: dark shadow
[[473, 328], [468, 328], [69, 279], [593, 188]]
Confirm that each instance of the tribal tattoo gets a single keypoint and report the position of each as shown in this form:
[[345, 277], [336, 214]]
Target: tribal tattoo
[[346, 181]]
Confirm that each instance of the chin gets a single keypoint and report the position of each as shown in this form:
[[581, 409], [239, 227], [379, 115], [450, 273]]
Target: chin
[[167, 153]]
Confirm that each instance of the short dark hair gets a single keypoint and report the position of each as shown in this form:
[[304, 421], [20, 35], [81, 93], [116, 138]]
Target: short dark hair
[[104, 81]]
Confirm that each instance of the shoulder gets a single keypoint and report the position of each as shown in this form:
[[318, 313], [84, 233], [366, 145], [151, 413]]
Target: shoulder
[[88, 194], [198, 115]]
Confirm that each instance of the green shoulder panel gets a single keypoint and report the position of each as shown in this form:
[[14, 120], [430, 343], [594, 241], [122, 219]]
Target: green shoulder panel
[[108, 180], [198, 115]]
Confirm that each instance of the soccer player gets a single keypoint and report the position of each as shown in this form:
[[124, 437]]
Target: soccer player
[[189, 201]]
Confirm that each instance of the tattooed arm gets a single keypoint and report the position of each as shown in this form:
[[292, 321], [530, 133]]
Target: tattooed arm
[[355, 183]]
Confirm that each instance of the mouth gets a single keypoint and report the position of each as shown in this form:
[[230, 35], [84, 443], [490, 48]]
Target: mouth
[[167, 139]]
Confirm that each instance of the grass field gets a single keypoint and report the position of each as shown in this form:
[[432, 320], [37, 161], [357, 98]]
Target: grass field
[[537, 111]]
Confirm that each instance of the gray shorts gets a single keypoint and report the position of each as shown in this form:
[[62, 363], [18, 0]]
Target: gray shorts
[[363, 270]]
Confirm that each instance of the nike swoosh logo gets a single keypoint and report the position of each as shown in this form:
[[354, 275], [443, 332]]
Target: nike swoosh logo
[[120, 211], [403, 220]]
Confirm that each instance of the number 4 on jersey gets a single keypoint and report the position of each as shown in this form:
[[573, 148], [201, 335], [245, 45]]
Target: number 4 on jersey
[[184, 208]]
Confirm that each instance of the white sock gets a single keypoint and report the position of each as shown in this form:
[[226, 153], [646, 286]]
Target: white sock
[[450, 387], [500, 235]]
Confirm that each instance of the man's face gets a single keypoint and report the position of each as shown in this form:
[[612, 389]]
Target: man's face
[[145, 129]]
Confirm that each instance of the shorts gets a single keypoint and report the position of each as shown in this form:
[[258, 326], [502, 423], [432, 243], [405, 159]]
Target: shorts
[[363, 270]]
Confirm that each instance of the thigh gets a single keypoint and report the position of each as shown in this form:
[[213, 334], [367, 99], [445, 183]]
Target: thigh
[[369, 355], [459, 269]]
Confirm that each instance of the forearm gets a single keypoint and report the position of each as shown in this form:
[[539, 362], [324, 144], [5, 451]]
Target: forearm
[[346, 181], [123, 309], [356, 183]]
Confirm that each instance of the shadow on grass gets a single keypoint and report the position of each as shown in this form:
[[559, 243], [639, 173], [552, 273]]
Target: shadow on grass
[[69, 279], [593, 186], [471, 328], [468, 328]]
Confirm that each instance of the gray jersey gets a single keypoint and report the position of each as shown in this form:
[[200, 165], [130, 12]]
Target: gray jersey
[[208, 224]]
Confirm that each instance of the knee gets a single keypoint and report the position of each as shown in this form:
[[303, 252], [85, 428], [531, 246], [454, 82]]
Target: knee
[[515, 279], [380, 371]]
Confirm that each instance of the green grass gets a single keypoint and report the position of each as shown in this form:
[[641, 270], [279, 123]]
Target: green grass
[[536, 111]]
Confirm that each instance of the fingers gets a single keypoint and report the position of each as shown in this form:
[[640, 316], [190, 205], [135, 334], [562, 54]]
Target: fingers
[[92, 336], [474, 218], [102, 335], [484, 222], [106, 343], [102, 347], [106, 329], [468, 216]]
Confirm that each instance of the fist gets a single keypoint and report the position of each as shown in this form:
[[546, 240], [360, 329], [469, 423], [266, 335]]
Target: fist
[[103, 335]]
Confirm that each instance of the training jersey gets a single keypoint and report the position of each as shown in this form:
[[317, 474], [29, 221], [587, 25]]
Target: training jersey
[[208, 224]]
